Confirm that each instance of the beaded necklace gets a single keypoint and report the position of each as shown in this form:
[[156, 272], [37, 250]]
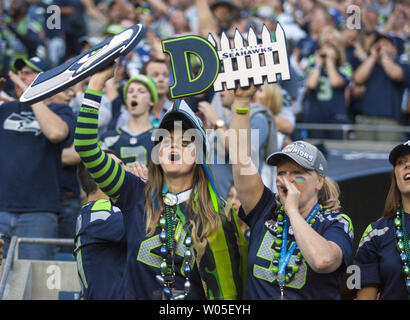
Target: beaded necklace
[[284, 272], [168, 223], [403, 245]]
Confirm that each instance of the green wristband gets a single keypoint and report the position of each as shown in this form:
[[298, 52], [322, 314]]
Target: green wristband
[[242, 110]]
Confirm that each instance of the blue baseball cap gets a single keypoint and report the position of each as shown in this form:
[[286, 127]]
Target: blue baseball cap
[[35, 63]]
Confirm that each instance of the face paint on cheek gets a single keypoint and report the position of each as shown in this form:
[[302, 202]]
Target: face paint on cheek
[[300, 180]]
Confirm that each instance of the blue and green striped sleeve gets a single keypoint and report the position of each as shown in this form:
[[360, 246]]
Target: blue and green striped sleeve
[[108, 175]]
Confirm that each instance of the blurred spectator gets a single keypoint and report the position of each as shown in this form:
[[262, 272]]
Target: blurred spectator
[[326, 81], [382, 74], [132, 142], [218, 115], [277, 100], [29, 197], [69, 188], [308, 46], [158, 70], [22, 36], [73, 26], [100, 246]]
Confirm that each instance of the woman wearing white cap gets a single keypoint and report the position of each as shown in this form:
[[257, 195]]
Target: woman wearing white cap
[[184, 241], [300, 242], [383, 254]]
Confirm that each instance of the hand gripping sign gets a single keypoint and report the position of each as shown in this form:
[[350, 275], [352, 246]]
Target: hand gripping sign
[[73, 71], [217, 66]]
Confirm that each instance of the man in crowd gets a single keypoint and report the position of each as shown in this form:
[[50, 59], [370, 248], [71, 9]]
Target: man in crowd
[[33, 137]]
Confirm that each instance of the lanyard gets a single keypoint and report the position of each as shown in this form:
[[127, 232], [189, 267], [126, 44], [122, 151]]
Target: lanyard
[[286, 254]]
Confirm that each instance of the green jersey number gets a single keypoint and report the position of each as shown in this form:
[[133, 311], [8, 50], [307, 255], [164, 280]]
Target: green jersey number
[[133, 154]]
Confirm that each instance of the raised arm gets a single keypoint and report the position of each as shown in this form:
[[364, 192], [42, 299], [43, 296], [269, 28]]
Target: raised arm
[[246, 178], [108, 175]]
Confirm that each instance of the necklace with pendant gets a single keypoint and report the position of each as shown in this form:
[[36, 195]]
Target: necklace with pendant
[[281, 253], [168, 223], [403, 245]]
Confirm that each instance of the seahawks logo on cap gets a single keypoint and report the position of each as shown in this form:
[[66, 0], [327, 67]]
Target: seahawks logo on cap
[[73, 71]]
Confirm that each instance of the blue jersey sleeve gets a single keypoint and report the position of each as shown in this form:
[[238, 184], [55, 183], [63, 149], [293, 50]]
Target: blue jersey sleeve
[[67, 115], [339, 229], [367, 258], [132, 192]]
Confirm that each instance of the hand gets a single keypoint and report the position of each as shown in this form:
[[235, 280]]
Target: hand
[[375, 51], [318, 58], [97, 80], [358, 50], [139, 170], [19, 85], [245, 92], [208, 111], [288, 195], [243, 97], [330, 55]]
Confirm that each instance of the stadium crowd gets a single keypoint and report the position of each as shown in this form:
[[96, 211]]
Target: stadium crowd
[[349, 64]]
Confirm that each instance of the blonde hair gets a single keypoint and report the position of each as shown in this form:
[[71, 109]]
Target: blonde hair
[[329, 195], [334, 38], [205, 221], [272, 97]]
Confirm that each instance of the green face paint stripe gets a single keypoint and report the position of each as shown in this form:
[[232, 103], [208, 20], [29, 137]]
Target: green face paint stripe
[[300, 180]]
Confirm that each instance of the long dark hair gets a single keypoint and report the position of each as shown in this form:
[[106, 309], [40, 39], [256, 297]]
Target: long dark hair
[[393, 198]]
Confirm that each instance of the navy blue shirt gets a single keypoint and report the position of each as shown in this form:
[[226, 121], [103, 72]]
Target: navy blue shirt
[[306, 284], [30, 171], [379, 260], [127, 146], [383, 96], [100, 250], [326, 104], [143, 254]]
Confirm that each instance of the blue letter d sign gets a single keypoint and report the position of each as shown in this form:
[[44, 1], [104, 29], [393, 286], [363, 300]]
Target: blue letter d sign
[[181, 50]]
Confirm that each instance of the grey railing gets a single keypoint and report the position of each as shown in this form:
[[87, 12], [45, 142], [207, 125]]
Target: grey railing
[[346, 128], [12, 254]]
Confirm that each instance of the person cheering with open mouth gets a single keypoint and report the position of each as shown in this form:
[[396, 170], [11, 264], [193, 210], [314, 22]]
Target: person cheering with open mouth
[[183, 240], [300, 242]]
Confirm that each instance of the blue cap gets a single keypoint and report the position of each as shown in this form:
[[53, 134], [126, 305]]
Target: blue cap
[[35, 63]]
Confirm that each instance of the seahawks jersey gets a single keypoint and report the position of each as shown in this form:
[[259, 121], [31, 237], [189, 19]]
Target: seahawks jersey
[[261, 283], [379, 260], [100, 250], [128, 146], [30, 170]]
